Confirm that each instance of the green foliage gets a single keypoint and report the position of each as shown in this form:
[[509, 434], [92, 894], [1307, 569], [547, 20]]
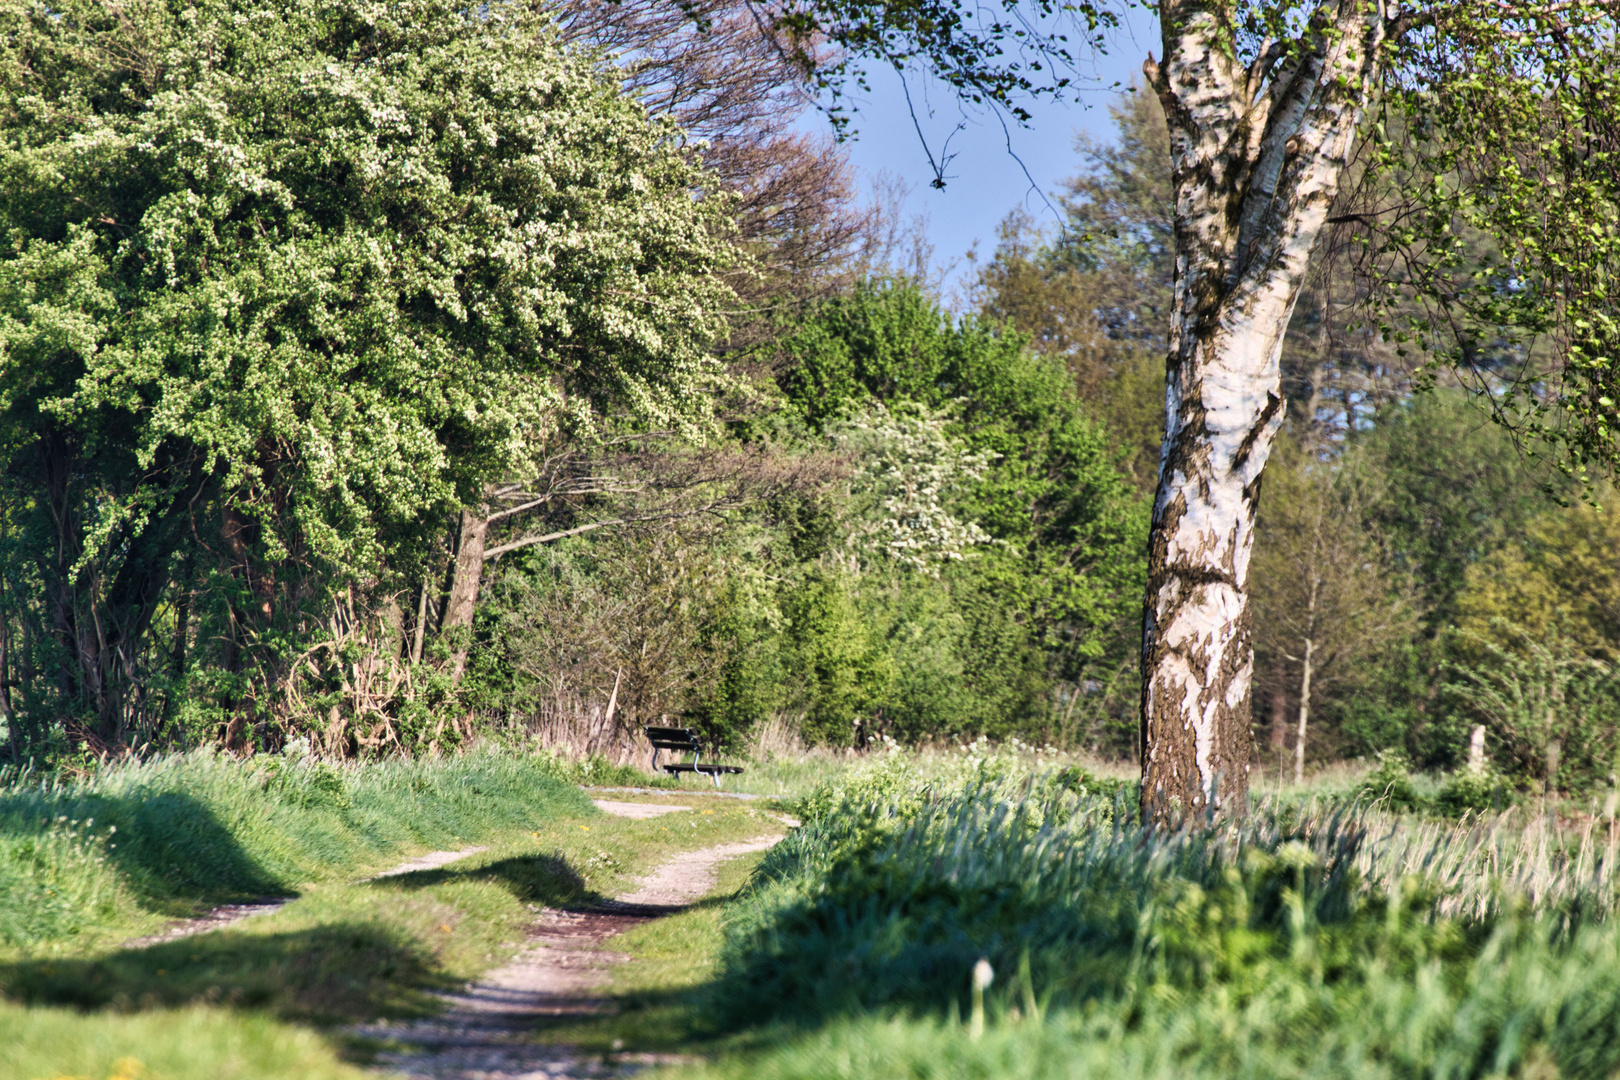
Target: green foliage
[[978, 467], [1096, 296], [749, 679], [1553, 712], [1474, 790], [1448, 489], [887, 785], [909, 472], [834, 666], [1390, 785], [1511, 232], [904, 587], [1558, 579], [1454, 490], [283, 285]]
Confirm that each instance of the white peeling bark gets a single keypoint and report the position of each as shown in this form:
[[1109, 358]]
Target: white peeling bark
[[1256, 156]]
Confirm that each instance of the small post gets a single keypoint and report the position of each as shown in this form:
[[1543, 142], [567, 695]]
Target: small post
[[1476, 749], [983, 976]]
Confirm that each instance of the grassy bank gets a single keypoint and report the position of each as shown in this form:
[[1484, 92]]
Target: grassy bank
[[1323, 942], [85, 860]]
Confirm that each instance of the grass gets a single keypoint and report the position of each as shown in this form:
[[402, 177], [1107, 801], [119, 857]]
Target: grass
[[83, 862], [783, 776], [1313, 939], [269, 996], [1314, 942], [169, 1044]]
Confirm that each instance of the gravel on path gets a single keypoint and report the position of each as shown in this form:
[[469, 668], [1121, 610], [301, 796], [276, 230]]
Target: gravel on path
[[638, 809], [680, 793], [484, 1032]]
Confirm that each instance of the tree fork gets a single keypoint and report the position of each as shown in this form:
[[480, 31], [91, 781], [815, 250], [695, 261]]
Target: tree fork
[[1257, 152]]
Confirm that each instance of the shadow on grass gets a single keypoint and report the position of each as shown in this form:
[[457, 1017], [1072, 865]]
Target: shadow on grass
[[170, 848], [329, 974], [533, 879]]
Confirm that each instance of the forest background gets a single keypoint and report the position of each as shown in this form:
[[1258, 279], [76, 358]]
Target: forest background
[[393, 382]]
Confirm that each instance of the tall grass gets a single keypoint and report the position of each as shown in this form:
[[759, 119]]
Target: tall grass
[[169, 834], [1333, 940]]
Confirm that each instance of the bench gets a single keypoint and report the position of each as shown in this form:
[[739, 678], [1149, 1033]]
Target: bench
[[681, 740]]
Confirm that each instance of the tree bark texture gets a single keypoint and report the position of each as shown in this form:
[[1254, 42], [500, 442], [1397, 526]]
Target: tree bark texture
[[1257, 152], [465, 577]]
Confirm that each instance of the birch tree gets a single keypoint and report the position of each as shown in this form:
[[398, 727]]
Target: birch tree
[[1266, 104]]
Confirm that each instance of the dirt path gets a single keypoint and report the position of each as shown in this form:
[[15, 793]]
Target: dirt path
[[221, 917], [431, 861], [483, 1031], [640, 810]]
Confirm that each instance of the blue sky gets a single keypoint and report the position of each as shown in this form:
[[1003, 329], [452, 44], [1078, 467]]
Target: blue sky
[[984, 181]]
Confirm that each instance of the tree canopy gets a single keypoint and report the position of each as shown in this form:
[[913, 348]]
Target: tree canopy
[[283, 282]]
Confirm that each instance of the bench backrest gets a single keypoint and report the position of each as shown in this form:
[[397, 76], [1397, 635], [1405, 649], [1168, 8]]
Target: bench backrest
[[674, 738]]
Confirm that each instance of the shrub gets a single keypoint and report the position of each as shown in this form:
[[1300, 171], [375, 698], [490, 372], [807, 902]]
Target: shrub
[[1391, 783], [1477, 791]]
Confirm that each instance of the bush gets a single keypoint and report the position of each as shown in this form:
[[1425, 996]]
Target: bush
[[1391, 783], [1476, 791]]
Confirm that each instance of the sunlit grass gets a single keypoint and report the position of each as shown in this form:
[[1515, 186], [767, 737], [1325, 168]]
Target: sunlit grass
[[1320, 939], [277, 990], [194, 1043]]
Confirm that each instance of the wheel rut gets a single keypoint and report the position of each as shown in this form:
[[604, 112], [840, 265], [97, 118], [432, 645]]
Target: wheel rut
[[485, 1031], [229, 914]]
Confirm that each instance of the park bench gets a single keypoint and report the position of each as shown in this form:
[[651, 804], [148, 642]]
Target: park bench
[[681, 740]]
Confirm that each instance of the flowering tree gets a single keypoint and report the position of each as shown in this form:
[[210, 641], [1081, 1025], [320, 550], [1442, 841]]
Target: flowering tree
[[909, 470], [284, 284]]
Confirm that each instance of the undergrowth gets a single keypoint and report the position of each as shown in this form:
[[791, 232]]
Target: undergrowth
[[1336, 941]]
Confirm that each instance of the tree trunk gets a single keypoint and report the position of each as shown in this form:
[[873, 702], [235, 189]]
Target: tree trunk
[[1308, 656], [1256, 157], [419, 633], [465, 576], [182, 616], [1304, 709], [1555, 747], [1279, 727]]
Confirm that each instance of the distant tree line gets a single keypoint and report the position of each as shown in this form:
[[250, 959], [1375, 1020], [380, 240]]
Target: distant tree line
[[395, 378]]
